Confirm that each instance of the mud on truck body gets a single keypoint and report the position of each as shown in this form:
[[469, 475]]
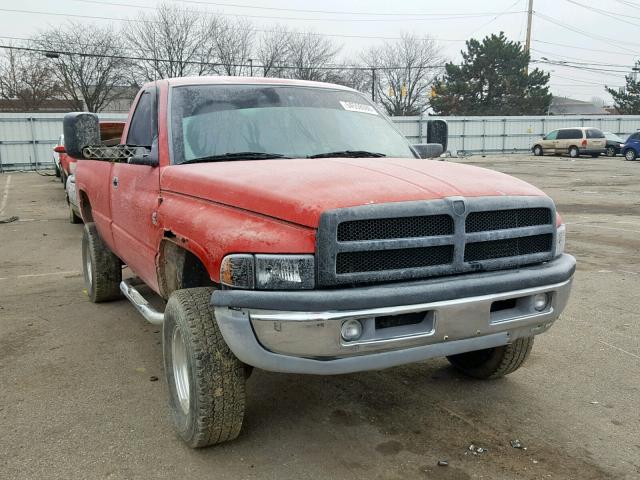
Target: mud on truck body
[[290, 227]]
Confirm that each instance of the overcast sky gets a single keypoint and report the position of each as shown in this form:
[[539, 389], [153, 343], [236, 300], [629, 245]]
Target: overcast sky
[[562, 29]]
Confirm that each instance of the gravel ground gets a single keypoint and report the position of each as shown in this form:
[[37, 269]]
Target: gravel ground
[[76, 399]]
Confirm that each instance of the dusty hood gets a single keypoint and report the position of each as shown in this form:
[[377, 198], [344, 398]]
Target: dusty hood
[[299, 190]]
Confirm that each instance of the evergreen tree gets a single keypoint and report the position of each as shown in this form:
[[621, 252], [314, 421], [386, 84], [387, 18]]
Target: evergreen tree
[[492, 80], [627, 101]]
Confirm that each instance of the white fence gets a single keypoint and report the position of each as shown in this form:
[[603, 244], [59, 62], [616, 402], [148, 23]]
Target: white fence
[[511, 134], [27, 139]]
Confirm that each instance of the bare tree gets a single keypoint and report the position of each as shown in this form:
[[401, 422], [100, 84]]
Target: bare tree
[[353, 75], [234, 42], [89, 68], [26, 78], [309, 53], [405, 71], [172, 42], [272, 51]]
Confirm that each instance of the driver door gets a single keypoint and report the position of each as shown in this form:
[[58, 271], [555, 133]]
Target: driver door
[[549, 142], [135, 192]]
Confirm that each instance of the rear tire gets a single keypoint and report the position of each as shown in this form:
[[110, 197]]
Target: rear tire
[[206, 381], [611, 152], [493, 362], [630, 155], [102, 269], [574, 152], [537, 151]]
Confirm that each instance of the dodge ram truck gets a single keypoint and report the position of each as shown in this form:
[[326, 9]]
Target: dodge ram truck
[[290, 227]]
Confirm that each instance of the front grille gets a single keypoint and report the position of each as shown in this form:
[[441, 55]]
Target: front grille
[[506, 219], [509, 247], [421, 239], [383, 260], [389, 228]]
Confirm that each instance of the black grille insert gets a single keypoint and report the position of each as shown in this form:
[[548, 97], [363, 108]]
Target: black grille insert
[[505, 219], [381, 260], [509, 247], [390, 228], [390, 321]]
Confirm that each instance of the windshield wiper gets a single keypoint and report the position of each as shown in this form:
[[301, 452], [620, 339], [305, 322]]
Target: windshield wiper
[[235, 156], [348, 153]]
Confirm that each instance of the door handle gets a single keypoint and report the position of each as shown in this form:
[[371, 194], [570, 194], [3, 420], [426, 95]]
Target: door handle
[[115, 182]]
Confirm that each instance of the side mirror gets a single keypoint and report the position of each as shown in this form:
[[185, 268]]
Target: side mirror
[[59, 149], [80, 130], [428, 150], [438, 132]]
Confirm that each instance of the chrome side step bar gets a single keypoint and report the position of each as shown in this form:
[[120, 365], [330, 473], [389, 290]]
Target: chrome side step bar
[[150, 314]]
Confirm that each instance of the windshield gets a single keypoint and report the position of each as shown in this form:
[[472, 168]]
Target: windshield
[[613, 137], [296, 122]]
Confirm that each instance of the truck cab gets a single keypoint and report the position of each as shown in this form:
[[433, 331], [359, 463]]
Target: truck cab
[[291, 227]]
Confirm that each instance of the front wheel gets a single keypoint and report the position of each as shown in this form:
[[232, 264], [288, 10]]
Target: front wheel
[[630, 155], [206, 381], [537, 151], [574, 152], [493, 362], [611, 152]]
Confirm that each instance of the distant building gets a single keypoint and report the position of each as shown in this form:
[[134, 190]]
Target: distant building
[[571, 106]]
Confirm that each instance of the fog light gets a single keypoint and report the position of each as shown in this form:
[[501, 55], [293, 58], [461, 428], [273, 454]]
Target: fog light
[[541, 301], [351, 330]]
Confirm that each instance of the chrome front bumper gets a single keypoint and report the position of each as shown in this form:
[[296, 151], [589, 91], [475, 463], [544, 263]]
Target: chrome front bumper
[[311, 342]]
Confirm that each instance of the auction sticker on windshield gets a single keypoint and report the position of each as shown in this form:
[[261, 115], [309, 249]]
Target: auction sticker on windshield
[[358, 107]]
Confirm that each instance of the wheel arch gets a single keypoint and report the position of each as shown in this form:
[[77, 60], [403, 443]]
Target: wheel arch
[[85, 206], [181, 264]]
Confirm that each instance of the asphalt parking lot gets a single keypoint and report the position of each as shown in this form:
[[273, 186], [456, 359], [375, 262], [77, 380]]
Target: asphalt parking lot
[[77, 400]]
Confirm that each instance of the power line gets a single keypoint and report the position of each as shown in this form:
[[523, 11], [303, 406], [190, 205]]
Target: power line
[[505, 12], [446, 16], [130, 20], [610, 41], [582, 48], [201, 62], [599, 11]]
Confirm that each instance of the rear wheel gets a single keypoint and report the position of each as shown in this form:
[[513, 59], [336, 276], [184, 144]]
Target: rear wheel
[[493, 362], [611, 152], [630, 155], [206, 381], [574, 152], [537, 151], [102, 269]]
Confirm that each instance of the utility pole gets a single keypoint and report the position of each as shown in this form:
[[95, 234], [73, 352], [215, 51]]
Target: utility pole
[[527, 45]]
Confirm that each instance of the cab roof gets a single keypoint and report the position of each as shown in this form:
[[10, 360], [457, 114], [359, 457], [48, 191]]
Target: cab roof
[[224, 80]]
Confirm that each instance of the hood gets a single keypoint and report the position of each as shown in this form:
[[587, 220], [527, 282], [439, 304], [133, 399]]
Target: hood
[[299, 190]]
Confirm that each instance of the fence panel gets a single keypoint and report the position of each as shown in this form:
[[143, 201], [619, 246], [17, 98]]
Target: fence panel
[[26, 139]]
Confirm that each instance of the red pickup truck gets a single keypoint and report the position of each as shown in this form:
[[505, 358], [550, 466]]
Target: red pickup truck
[[291, 227]]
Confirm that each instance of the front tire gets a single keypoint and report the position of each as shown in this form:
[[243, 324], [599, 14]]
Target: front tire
[[102, 269], [537, 151], [611, 152], [630, 155], [206, 381], [574, 152], [493, 362]]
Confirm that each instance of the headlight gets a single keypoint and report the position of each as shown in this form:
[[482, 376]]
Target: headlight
[[268, 272], [561, 235]]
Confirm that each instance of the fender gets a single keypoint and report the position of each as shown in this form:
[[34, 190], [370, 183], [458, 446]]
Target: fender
[[210, 231]]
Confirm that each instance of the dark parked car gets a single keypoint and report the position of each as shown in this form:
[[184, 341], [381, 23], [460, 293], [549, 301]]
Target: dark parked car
[[614, 144], [631, 148]]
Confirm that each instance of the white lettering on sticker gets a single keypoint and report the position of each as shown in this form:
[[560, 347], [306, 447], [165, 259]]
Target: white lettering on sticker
[[358, 107]]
